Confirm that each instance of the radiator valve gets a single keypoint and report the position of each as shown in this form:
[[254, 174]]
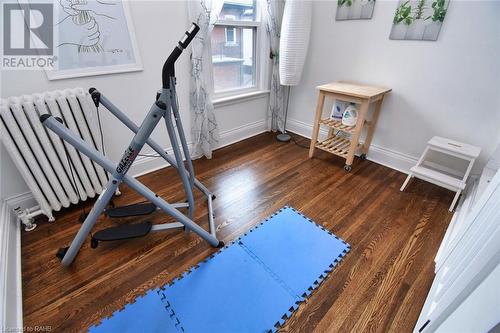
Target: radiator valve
[[26, 218]]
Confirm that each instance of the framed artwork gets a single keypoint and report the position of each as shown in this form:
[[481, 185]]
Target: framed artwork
[[93, 38], [418, 19], [354, 9]]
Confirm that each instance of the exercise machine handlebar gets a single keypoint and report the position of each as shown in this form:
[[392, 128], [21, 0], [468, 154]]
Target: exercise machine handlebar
[[168, 66], [189, 35]]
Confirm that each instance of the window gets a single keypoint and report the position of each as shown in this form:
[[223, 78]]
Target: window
[[233, 47], [230, 36]]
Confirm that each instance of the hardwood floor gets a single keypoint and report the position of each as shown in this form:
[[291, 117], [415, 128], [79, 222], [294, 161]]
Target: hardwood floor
[[379, 287]]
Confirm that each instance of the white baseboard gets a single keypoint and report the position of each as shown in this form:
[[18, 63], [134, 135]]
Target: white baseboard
[[391, 158], [381, 155], [147, 164], [303, 129], [241, 133], [11, 313], [24, 201]]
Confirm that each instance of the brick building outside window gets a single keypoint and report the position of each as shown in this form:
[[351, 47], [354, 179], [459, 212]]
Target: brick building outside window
[[233, 46]]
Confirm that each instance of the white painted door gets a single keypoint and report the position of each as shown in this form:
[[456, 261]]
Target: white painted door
[[471, 261]]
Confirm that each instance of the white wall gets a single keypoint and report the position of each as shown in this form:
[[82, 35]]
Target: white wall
[[449, 88], [158, 25]]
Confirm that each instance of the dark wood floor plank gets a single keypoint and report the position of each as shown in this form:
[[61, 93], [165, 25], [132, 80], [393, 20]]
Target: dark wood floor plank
[[380, 286], [362, 269]]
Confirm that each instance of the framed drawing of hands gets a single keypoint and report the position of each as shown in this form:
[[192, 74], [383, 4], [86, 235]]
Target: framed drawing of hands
[[93, 37]]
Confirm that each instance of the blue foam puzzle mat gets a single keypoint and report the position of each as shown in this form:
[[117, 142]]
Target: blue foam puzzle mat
[[147, 314], [298, 252], [224, 293], [252, 285]]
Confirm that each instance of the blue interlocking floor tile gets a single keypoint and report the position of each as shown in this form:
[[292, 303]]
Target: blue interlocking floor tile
[[147, 314], [295, 248], [229, 293], [253, 285]]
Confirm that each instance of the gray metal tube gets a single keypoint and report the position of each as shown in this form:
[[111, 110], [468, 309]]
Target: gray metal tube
[[167, 208], [150, 122], [211, 223], [134, 128], [96, 156], [156, 147], [180, 128], [68, 136], [90, 221], [178, 156]]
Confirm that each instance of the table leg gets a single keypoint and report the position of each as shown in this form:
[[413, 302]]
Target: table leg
[[317, 118], [371, 128], [331, 131], [357, 132]]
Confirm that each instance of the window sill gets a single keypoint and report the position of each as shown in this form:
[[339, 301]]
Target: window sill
[[239, 98]]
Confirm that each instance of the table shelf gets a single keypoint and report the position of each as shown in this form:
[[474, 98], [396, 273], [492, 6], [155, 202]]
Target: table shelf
[[336, 145], [337, 125]]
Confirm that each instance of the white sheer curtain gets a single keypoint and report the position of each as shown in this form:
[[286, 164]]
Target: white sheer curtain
[[204, 129], [272, 15]]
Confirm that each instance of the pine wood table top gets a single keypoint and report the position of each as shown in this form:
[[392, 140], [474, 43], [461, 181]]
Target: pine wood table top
[[354, 89]]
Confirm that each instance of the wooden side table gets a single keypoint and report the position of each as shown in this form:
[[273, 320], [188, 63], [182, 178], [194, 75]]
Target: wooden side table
[[346, 145]]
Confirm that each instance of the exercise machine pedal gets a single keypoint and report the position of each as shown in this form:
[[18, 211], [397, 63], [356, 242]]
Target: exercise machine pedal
[[125, 231], [62, 252], [131, 210]]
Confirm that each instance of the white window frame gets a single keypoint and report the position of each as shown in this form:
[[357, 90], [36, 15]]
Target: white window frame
[[222, 96]]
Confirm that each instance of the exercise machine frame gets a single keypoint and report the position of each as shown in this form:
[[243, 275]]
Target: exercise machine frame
[[165, 107]]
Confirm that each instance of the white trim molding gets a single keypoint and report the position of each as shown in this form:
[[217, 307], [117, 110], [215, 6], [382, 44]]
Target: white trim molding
[[241, 133], [24, 201], [381, 155], [243, 97], [391, 158], [11, 314]]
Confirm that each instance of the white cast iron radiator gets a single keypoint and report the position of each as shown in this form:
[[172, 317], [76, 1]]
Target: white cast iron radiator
[[42, 157]]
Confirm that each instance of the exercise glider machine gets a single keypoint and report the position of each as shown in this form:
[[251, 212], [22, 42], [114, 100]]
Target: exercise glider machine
[[165, 107]]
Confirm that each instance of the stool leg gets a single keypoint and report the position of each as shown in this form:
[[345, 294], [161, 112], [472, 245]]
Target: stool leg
[[410, 176], [455, 199]]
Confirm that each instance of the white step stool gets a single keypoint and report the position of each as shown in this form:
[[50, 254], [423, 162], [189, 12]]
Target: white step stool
[[448, 147]]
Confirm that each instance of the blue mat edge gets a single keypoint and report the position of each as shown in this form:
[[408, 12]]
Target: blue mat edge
[[294, 307]]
